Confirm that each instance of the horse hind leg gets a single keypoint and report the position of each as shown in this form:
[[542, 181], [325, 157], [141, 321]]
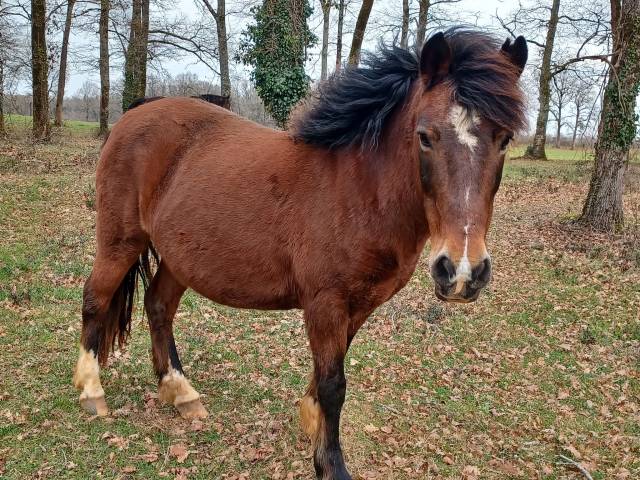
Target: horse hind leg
[[106, 315], [161, 302]]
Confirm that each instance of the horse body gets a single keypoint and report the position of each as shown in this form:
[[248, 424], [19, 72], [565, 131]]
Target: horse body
[[330, 217], [274, 221]]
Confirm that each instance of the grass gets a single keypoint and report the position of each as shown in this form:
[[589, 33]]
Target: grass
[[544, 364], [75, 127]]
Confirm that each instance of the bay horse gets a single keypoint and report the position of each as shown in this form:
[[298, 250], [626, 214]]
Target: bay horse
[[330, 216]]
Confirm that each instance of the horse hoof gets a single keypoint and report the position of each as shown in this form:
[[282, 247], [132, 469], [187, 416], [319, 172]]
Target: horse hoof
[[95, 406], [192, 410]]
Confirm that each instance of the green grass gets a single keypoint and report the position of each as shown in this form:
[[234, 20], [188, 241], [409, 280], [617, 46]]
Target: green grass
[[556, 154], [74, 127], [545, 361]]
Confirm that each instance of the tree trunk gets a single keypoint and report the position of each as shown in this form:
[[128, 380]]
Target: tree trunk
[[220, 17], [575, 126], [62, 76], [603, 208], [40, 89], [326, 9], [223, 50], [536, 149], [404, 34], [103, 30], [559, 125], [135, 67], [423, 13], [2, 127], [339, 39], [358, 33]]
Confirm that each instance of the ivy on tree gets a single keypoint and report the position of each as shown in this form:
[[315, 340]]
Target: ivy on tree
[[276, 47]]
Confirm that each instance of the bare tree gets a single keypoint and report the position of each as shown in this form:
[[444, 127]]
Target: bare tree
[[581, 98], [135, 67], [358, 34], [537, 148], [325, 5], [341, 7], [62, 72], [404, 32], [563, 87], [423, 14], [39, 68], [219, 16], [103, 33], [603, 208], [3, 48], [88, 92]]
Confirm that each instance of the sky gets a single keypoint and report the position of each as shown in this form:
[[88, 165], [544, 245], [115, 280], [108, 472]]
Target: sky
[[465, 11]]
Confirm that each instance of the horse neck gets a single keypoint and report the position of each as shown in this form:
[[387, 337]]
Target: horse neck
[[387, 183]]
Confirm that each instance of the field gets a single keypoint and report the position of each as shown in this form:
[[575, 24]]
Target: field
[[539, 379]]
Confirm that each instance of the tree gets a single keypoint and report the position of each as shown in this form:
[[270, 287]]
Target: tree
[[325, 5], [537, 148], [423, 13], [103, 33], [62, 73], [135, 67], [404, 32], [581, 98], [2, 127], [88, 93], [358, 33], [39, 68], [276, 48], [561, 94], [603, 208], [223, 49], [341, 7]]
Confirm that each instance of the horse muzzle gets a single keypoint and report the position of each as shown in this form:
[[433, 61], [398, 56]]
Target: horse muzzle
[[452, 286]]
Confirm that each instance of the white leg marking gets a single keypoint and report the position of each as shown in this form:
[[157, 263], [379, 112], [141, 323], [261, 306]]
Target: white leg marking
[[463, 121], [176, 389], [87, 375]]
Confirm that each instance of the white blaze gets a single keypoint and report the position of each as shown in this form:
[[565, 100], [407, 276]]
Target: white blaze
[[463, 121]]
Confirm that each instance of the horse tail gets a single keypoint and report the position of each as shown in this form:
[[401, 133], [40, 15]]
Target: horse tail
[[118, 325]]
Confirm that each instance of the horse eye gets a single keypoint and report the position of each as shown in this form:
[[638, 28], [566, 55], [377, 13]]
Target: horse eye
[[505, 142], [424, 140]]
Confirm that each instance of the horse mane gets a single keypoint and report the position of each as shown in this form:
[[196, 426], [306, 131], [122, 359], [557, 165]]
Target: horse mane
[[352, 107]]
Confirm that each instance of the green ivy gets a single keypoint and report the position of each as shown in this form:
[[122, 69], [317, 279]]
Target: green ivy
[[620, 120], [276, 47]]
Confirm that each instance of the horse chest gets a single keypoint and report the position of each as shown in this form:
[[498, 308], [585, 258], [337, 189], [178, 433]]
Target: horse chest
[[380, 284]]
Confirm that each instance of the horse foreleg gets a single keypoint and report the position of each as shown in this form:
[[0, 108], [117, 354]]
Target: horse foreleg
[[327, 325], [161, 302]]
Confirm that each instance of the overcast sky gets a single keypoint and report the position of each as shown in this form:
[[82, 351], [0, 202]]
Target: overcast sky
[[383, 11]]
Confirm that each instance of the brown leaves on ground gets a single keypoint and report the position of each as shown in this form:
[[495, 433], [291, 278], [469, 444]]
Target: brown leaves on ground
[[544, 364]]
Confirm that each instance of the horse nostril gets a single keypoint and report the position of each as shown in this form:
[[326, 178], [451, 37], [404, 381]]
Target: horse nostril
[[482, 273], [443, 271]]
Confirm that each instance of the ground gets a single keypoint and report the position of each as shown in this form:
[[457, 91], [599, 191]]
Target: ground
[[545, 364]]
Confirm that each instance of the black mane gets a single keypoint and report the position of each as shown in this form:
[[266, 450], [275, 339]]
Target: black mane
[[351, 108]]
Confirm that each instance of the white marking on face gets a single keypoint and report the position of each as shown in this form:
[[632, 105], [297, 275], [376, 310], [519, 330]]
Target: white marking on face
[[463, 270], [466, 197], [463, 121]]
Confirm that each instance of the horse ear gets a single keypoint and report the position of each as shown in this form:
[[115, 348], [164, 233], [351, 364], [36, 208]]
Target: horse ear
[[435, 59], [516, 52]]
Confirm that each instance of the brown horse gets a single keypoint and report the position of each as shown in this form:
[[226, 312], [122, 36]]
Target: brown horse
[[330, 217]]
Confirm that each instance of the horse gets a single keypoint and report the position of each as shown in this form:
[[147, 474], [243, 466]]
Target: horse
[[330, 216], [223, 101]]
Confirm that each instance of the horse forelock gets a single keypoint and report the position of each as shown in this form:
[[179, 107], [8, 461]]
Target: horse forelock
[[353, 107]]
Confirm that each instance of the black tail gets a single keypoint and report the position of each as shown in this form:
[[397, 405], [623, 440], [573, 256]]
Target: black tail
[[123, 301]]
